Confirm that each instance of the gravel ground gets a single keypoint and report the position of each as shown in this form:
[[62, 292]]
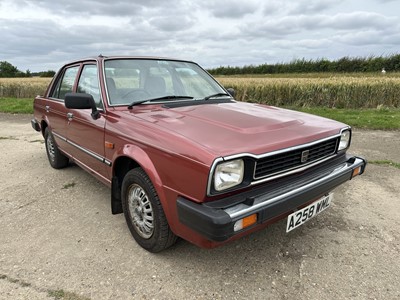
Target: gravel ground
[[59, 239]]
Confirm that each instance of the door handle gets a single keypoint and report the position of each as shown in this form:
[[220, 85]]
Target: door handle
[[70, 116], [47, 108]]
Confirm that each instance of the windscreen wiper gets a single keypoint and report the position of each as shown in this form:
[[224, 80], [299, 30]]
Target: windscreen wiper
[[169, 97], [217, 95]]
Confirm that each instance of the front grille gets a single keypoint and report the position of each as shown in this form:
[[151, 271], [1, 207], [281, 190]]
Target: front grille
[[289, 160]]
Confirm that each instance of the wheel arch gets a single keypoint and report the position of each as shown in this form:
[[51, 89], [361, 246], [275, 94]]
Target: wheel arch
[[133, 157]]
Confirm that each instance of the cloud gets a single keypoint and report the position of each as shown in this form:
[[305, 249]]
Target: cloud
[[290, 25], [303, 43], [312, 6], [357, 20], [272, 8], [75, 8], [231, 9], [360, 38], [41, 34], [166, 23]]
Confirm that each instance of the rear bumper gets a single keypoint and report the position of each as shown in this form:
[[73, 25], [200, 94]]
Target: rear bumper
[[215, 220]]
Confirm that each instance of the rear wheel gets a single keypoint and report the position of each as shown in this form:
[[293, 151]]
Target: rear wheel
[[56, 158], [143, 212]]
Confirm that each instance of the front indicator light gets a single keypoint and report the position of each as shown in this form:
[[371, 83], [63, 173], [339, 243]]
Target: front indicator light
[[245, 222], [356, 171]]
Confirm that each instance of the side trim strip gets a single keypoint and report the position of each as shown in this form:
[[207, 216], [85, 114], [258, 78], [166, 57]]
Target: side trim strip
[[59, 136], [88, 152]]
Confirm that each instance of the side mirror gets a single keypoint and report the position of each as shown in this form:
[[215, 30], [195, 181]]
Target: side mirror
[[81, 101], [232, 92]]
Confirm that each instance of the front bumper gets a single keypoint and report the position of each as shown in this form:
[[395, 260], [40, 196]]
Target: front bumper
[[35, 124], [215, 220]]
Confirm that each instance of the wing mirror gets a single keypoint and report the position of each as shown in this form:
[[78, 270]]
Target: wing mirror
[[231, 92], [81, 101]]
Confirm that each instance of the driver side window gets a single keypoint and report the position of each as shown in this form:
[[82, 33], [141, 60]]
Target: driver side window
[[89, 83]]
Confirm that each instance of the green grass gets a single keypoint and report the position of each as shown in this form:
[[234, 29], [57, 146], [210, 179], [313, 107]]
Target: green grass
[[8, 138], [68, 185], [55, 294], [385, 163], [385, 119], [64, 295], [14, 280], [16, 105]]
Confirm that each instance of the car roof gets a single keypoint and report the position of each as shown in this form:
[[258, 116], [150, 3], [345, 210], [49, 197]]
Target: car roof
[[103, 57]]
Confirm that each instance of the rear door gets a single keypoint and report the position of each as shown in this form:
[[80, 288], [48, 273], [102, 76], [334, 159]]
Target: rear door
[[84, 133]]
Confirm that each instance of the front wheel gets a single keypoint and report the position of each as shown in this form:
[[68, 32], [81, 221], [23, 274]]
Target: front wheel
[[143, 212]]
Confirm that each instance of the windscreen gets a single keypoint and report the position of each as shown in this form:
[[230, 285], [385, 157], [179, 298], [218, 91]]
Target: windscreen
[[130, 80]]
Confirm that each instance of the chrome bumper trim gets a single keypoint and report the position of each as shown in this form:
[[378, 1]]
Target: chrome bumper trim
[[241, 210]]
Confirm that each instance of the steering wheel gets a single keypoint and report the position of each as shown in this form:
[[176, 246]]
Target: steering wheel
[[137, 94]]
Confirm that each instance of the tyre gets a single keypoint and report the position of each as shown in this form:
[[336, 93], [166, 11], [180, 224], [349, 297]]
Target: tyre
[[56, 158], [143, 212]]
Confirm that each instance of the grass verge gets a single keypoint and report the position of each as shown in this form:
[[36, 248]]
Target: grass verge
[[385, 119], [16, 105], [385, 163]]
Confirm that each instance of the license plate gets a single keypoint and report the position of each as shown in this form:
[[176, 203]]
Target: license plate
[[303, 215]]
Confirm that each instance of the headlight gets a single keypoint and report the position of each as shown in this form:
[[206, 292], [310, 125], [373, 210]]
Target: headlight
[[344, 140], [228, 174]]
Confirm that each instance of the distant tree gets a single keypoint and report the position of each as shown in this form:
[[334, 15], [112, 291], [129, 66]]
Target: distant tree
[[392, 64], [8, 70], [345, 64], [49, 73]]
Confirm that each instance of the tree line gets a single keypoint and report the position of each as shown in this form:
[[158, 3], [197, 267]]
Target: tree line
[[8, 70], [346, 64]]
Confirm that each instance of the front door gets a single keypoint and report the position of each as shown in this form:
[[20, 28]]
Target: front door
[[85, 134]]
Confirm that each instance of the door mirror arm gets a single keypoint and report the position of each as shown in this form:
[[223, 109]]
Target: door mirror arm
[[232, 92], [95, 113]]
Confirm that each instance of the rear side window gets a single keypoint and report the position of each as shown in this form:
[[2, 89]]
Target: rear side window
[[65, 83]]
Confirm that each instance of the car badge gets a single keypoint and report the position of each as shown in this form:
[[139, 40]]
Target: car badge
[[304, 156]]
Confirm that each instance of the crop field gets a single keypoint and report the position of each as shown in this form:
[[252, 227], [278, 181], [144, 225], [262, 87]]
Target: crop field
[[331, 90], [334, 91], [23, 87]]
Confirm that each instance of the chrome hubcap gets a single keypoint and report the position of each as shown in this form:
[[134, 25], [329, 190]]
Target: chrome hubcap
[[141, 211]]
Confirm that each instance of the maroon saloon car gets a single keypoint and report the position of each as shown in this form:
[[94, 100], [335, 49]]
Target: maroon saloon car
[[182, 157]]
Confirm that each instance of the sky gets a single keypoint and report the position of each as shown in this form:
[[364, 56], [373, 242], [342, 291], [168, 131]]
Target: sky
[[42, 35]]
